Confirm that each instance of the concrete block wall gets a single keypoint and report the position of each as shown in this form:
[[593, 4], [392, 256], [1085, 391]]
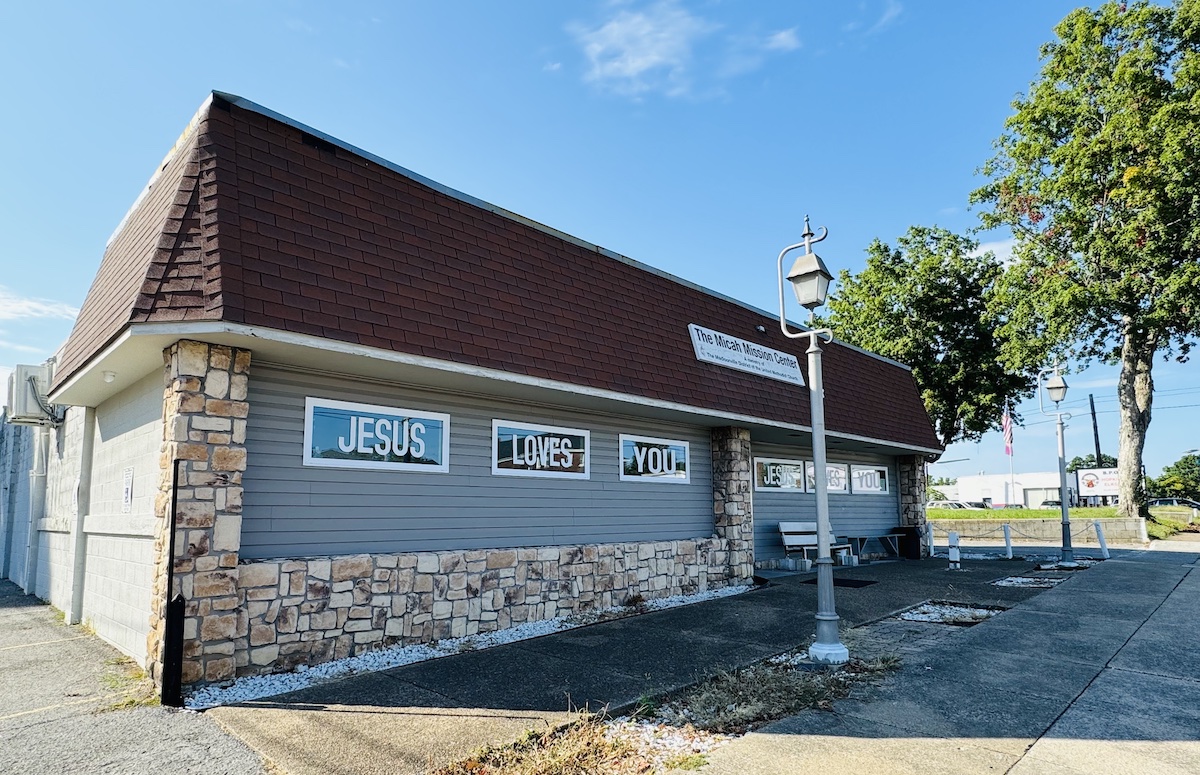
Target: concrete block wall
[[116, 597], [56, 560]]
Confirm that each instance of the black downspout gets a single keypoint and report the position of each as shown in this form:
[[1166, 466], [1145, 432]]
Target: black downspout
[[172, 675]]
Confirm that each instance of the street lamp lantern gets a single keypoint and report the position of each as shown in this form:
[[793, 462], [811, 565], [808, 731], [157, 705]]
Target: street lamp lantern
[[1056, 388], [810, 282], [809, 276]]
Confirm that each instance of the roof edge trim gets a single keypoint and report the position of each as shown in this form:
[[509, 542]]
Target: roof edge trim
[[184, 136], [254, 107]]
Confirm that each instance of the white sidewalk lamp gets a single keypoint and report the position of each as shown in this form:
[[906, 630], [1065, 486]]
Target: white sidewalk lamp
[[1055, 388], [810, 282]]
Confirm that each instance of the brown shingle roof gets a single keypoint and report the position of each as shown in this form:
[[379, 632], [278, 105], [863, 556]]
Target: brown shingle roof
[[257, 221]]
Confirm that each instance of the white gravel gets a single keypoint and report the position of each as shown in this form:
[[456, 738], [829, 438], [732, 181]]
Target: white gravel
[[258, 686], [660, 742], [1028, 582], [947, 613]]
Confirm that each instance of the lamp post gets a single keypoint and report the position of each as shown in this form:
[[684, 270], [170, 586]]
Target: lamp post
[[1051, 381], [810, 282]]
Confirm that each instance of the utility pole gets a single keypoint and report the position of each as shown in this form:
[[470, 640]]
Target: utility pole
[[1096, 436]]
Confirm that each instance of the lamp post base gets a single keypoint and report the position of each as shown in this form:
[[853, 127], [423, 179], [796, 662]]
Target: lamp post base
[[829, 653]]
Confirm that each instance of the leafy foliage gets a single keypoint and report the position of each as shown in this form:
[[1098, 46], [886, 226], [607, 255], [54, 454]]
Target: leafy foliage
[[1181, 479], [1089, 461], [924, 303], [1098, 177]]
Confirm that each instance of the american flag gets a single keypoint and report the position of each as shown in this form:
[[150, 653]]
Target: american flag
[[1006, 426]]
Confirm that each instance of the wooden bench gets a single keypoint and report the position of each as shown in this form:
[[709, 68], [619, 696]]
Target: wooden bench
[[802, 536]]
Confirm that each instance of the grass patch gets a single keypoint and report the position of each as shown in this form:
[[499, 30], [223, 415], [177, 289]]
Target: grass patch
[[132, 687], [1160, 528], [1098, 512], [727, 703], [740, 700], [577, 749], [690, 761]]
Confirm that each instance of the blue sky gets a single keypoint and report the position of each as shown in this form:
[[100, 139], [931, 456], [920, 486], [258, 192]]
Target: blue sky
[[690, 136]]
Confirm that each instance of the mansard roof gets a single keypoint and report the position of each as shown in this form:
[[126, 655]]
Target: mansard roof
[[258, 220]]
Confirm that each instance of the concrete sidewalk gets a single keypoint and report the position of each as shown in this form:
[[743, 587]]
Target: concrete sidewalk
[[1098, 675], [406, 719], [54, 701]]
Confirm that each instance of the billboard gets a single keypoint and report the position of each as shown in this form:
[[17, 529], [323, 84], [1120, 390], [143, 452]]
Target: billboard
[[1092, 482]]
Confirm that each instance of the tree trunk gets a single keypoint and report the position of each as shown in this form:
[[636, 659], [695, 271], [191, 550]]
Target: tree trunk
[[1135, 390]]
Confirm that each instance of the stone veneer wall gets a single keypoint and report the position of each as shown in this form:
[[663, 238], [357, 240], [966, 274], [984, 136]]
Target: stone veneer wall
[[912, 493], [204, 426], [732, 479], [308, 611]]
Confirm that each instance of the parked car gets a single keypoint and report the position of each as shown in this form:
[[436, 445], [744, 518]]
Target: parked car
[[1186, 503], [954, 505], [978, 505], [1055, 505]]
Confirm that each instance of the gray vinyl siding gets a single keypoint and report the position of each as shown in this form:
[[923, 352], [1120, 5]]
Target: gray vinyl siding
[[848, 514], [292, 511]]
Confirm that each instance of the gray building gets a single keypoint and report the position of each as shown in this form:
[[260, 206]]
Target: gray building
[[369, 409]]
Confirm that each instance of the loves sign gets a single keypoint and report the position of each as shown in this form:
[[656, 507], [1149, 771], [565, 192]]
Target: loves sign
[[524, 449], [657, 460], [340, 434]]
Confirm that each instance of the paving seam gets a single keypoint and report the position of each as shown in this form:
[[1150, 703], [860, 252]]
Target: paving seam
[[388, 675], [1107, 666]]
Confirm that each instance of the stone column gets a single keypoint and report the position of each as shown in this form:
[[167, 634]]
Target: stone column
[[204, 425], [912, 492], [732, 506]]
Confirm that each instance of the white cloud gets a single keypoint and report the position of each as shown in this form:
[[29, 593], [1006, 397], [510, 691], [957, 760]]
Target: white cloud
[[890, 13], [1003, 249], [784, 40], [552, 67], [14, 307], [642, 51], [21, 348]]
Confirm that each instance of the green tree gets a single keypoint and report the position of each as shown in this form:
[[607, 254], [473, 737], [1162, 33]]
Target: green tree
[[1181, 479], [924, 304], [1098, 176], [1089, 461]]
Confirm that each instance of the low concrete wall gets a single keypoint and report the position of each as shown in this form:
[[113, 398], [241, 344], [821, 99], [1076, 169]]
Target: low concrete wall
[[1124, 531]]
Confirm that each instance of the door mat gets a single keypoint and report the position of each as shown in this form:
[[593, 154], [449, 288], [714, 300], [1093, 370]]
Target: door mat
[[837, 582]]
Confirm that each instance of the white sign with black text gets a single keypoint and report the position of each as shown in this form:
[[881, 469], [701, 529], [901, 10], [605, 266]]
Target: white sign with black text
[[729, 351], [1098, 482], [127, 491]]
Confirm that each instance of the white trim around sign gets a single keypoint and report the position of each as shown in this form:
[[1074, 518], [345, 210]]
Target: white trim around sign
[[311, 402], [587, 450], [687, 460], [801, 463]]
